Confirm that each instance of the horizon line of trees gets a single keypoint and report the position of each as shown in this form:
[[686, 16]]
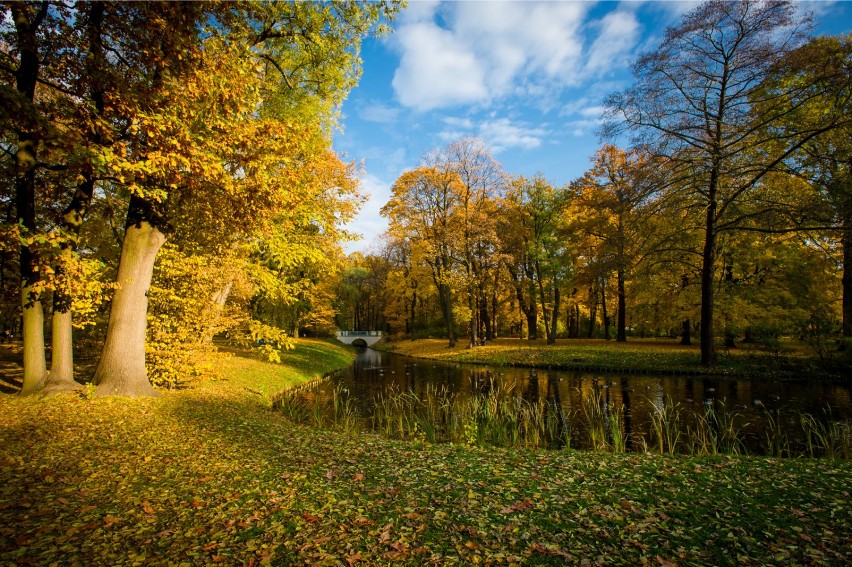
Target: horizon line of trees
[[729, 216]]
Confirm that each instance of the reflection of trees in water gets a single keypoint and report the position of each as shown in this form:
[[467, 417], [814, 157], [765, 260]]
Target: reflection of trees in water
[[633, 396]]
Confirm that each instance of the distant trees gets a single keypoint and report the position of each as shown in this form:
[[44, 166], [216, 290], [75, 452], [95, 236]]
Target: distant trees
[[695, 102], [736, 183]]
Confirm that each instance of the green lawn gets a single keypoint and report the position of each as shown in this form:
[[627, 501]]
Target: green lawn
[[213, 476], [637, 355]]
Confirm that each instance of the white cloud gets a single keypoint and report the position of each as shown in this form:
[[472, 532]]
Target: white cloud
[[369, 222], [465, 123], [611, 49], [436, 69], [473, 52], [500, 134]]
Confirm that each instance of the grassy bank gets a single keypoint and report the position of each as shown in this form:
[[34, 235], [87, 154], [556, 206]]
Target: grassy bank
[[212, 476], [638, 356]]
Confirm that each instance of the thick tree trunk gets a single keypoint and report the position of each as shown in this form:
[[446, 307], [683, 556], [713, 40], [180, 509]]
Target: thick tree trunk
[[60, 379], [622, 310], [35, 367], [121, 370], [532, 322]]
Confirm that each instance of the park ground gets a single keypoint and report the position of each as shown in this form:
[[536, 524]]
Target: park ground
[[212, 475], [788, 360]]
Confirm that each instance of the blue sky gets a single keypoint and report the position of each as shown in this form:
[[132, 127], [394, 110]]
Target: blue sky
[[527, 77]]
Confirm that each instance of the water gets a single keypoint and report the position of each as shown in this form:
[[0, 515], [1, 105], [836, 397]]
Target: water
[[754, 405]]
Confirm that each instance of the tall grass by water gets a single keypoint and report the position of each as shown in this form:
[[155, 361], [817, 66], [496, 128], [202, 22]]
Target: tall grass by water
[[496, 416]]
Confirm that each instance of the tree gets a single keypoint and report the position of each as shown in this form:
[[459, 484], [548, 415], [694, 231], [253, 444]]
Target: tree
[[479, 181], [422, 210], [612, 203], [541, 257], [822, 71], [693, 103], [247, 122], [33, 43]]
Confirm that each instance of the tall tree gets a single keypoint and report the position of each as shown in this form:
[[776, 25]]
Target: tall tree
[[479, 182], [541, 257], [611, 202], [246, 121], [34, 38], [692, 102], [423, 210], [822, 69]]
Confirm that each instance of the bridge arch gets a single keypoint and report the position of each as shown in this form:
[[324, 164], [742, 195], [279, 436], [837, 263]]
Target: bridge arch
[[359, 338]]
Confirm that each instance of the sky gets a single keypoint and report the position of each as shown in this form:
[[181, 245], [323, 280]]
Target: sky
[[529, 78]]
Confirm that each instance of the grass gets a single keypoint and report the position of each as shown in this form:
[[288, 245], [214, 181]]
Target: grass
[[213, 476], [636, 355]]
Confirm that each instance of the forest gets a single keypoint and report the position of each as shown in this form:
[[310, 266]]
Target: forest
[[169, 178]]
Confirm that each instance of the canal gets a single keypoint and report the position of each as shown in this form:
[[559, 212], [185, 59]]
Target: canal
[[762, 412]]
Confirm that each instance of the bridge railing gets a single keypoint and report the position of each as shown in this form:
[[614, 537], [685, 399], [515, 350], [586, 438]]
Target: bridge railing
[[359, 333]]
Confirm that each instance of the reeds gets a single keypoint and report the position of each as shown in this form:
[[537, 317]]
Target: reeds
[[497, 416], [716, 432], [830, 439], [666, 426]]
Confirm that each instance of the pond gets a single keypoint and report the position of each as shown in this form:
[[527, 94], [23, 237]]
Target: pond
[[598, 410]]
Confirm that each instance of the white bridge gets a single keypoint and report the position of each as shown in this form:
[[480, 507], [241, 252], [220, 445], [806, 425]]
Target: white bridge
[[359, 338]]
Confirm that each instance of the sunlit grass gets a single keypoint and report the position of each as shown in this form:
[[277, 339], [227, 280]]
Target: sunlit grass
[[637, 355], [212, 476]]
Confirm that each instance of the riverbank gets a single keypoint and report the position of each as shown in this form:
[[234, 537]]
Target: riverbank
[[643, 356], [212, 476]]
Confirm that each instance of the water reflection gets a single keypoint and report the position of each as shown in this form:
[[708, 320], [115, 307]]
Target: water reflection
[[752, 405]]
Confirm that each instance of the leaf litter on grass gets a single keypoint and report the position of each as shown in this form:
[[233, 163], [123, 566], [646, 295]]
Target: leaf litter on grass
[[212, 476]]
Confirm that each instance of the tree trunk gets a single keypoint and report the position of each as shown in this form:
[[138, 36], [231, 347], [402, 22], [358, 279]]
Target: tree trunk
[[485, 317], [121, 370], [35, 366], [603, 309], [622, 310], [593, 312], [27, 20], [494, 311], [60, 379], [445, 299], [413, 315], [847, 277], [554, 315], [532, 321], [708, 348], [686, 333], [473, 306], [576, 330]]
